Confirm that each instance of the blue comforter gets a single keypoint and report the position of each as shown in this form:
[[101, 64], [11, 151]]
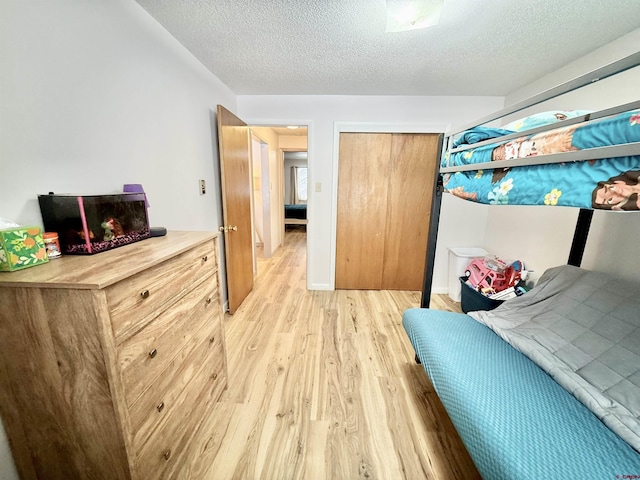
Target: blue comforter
[[585, 184]]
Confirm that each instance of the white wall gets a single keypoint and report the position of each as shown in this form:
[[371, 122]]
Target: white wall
[[95, 94], [256, 174], [616, 50], [459, 226], [540, 236], [271, 186], [7, 466]]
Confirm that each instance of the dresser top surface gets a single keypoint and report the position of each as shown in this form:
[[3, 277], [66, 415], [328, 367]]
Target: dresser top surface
[[106, 268]]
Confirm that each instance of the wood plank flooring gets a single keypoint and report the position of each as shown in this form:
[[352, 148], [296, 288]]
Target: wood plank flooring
[[323, 385]]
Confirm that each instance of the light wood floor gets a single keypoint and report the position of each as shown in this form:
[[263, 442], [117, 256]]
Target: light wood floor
[[323, 385]]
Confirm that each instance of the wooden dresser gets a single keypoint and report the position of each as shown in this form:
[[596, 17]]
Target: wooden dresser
[[110, 363]]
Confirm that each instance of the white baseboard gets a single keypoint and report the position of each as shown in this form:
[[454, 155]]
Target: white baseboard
[[326, 286], [440, 290]]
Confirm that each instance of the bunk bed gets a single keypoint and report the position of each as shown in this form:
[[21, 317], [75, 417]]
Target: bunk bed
[[548, 384]]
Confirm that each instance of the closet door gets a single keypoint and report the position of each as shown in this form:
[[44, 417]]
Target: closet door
[[362, 209], [410, 190], [385, 182]]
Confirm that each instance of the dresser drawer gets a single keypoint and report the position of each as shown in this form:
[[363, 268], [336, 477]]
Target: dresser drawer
[[160, 399], [134, 300], [144, 356], [157, 457]]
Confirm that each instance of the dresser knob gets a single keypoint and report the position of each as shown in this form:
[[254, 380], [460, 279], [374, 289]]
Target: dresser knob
[[214, 376], [160, 407], [144, 294], [205, 258], [208, 301], [212, 339], [153, 353], [167, 454]]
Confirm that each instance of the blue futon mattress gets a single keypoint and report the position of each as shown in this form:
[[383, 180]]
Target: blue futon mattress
[[515, 420]]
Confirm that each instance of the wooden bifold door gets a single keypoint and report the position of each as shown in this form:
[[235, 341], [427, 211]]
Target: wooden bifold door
[[385, 186]]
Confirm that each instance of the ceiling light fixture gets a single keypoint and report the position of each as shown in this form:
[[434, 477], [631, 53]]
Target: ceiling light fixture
[[405, 15]]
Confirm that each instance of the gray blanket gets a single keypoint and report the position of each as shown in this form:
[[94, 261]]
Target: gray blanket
[[583, 329]]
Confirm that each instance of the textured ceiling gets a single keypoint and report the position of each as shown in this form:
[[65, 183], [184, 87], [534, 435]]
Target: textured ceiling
[[480, 47]]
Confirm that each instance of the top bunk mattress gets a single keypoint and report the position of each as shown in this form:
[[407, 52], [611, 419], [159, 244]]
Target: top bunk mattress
[[609, 183]]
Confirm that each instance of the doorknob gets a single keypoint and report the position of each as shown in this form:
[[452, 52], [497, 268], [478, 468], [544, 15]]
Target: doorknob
[[234, 228], [228, 228], [223, 229]]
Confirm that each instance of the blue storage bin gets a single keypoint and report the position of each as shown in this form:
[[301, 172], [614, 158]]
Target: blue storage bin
[[471, 300]]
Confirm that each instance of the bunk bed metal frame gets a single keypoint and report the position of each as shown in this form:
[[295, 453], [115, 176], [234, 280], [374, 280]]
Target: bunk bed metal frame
[[585, 215]]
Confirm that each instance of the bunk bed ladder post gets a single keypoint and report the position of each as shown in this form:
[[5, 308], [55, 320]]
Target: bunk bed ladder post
[[432, 238], [580, 237]]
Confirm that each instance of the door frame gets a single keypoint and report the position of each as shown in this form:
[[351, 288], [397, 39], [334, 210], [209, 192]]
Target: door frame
[[365, 127], [281, 152], [265, 179], [303, 123]]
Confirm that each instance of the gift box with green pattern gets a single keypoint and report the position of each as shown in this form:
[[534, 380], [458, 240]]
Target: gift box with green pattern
[[21, 247]]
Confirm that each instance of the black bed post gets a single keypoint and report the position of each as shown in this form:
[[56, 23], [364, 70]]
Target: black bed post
[[580, 237], [432, 238]]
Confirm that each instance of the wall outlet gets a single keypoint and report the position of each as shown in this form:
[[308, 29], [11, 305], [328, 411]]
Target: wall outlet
[[203, 187], [318, 187]]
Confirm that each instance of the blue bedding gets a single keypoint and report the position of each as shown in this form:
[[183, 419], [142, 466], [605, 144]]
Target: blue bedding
[[478, 134], [611, 183], [514, 419], [298, 211]]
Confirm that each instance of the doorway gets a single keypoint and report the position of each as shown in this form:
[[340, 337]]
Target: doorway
[[263, 239], [295, 190], [272, 181]]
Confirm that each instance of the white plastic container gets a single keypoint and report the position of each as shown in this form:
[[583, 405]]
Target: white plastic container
[[459, 258]]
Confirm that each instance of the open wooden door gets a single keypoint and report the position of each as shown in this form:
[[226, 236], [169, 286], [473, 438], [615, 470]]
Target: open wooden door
[[235, 173]]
